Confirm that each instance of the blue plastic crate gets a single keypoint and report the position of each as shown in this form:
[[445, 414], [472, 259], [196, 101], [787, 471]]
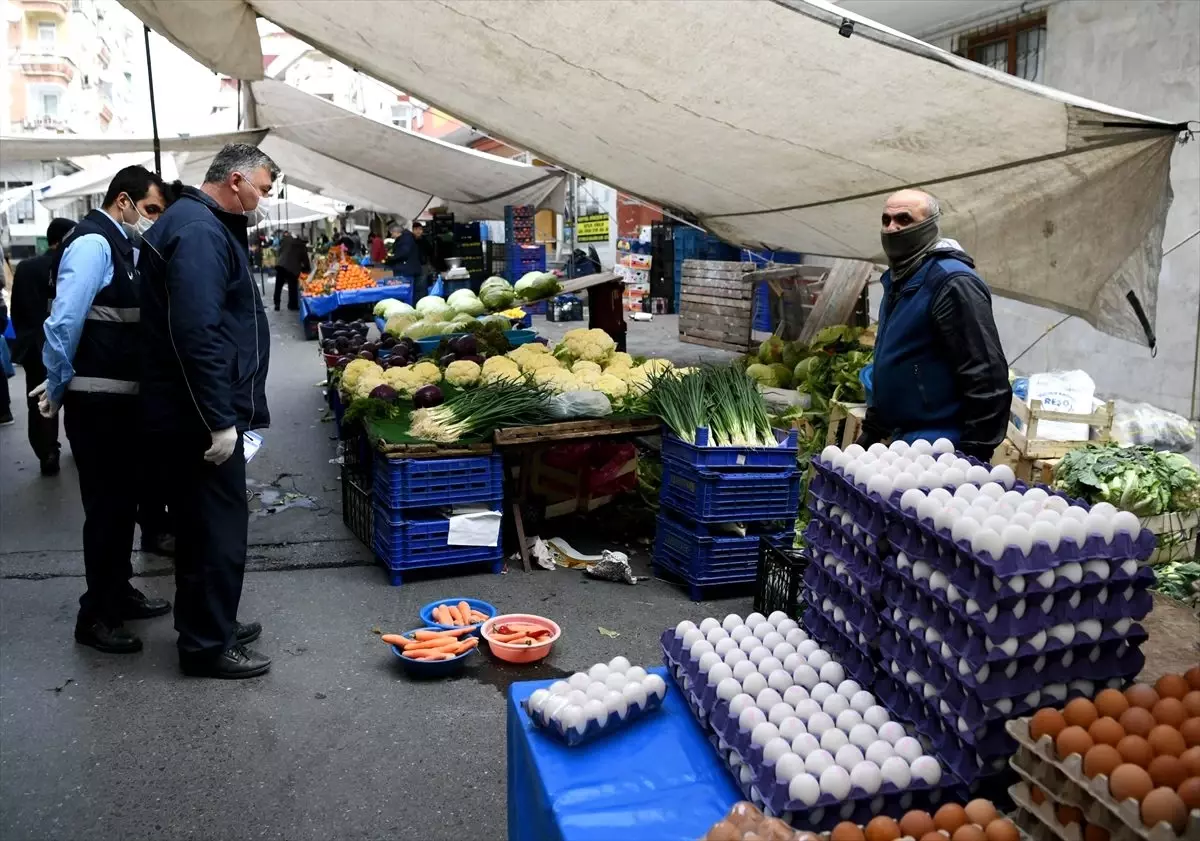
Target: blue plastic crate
[[430, 482], [700, 455], [708, 555], [535, 308], [711, 497], [404, 545]]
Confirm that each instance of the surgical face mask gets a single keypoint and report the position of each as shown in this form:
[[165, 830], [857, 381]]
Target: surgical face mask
[[136, 229], [256, 213], [905, 244]]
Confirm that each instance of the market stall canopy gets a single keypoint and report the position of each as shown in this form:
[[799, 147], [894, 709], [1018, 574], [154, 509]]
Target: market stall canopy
[[760, 119], [64, 189], [27, 148], [297, 207]]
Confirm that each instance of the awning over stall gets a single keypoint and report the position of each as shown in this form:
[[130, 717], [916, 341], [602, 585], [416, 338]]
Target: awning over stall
[[762, 120]]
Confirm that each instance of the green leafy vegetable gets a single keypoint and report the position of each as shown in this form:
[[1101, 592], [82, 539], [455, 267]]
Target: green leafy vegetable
[[1135, 479]]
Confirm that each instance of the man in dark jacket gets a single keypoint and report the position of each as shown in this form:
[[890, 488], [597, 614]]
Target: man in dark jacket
[[291, 262], [32, 292], [939, 369], [405, 259], [206, 350]]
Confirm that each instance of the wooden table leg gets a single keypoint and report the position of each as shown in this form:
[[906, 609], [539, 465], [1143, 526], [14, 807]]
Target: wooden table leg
[[526, 468], [519, 521]]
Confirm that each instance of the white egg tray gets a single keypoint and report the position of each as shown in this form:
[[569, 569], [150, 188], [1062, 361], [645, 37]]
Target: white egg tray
[[612, 722], [1038, 762], [622, 702]]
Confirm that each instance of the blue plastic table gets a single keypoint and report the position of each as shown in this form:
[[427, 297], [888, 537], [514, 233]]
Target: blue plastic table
[[321, 305], [658, 779]]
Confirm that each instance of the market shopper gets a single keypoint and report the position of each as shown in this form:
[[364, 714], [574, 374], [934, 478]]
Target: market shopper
[[32, 292], [405, 259], [205, 352], [377, 249], [92, 367], [939, 368], [289, 265]]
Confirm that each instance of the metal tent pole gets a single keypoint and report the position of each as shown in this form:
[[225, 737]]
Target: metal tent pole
[[153, 109]]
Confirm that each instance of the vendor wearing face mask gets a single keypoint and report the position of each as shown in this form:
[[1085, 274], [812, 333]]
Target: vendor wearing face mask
[[92, 364], [939, 368]]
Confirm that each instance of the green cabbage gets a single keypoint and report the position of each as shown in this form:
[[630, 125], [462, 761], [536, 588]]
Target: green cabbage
[[463, 318], [397, 324], [432, 305], [771, 351], [535, 285], [783, 375], [469, 305], [764, 375], [423, 330], [496, 296]]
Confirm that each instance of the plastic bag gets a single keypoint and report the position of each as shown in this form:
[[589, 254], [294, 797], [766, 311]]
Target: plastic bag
[[1063, 391], [612, 566], [1142, 423], [579, 404]]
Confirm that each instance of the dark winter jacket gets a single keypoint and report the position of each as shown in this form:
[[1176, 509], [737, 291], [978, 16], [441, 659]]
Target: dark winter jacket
[[32, 292], [206, 339], [939, 368], [405, 259]]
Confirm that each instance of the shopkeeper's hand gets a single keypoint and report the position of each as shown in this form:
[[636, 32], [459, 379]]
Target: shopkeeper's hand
[[223, 443], [47, 408]]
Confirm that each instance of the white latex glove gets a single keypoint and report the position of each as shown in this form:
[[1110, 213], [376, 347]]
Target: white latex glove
[[47, 408], [223, 442]]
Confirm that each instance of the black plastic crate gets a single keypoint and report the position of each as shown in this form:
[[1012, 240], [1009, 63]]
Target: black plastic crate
[[779, 581], [357, 511]]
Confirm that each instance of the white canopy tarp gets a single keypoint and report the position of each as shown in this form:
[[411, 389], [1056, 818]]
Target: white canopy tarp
[[34, 148], [64, 189], [297, 206], [771, 128]]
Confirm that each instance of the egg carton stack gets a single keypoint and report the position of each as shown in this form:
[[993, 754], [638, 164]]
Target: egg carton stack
[[805, 742], [999, 597]]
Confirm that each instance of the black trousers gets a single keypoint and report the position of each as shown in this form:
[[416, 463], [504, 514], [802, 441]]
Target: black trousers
[[43, 432], [103, 431], [210, 515], [283, 277]]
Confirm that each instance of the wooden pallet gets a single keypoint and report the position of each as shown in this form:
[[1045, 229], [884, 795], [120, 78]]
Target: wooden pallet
[[845, 423], [432, 450], [716, 304], [568, 430]]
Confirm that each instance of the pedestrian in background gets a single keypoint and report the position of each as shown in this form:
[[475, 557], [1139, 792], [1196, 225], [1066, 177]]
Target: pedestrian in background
[[32, 293], [378, 249], [6, 366], [92, 370], [206, 346], [405, 259], [291, 263]]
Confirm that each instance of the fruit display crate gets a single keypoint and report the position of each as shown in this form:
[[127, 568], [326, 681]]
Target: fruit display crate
[[405, 541], [423, 483]]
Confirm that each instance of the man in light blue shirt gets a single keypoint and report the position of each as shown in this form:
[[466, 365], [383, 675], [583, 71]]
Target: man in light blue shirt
[[92, 359]]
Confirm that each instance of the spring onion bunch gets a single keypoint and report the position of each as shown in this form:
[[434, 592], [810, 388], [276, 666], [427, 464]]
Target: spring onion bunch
[[721, 398], [482, 410], [681, 402]]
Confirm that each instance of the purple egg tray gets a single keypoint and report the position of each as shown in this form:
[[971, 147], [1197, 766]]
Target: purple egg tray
[[860, 561], [595, 729], [826, 566], [1094, 601], [889, 799], [856, 658], [1020, 675]]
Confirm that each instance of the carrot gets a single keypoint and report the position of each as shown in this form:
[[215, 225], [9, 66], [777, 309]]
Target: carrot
[[465, 645], [429, 655], [444, 642], [507, 637], [396, 639], [456, 617], [464, 610], [433, 635], [441, 615], [476, 616]]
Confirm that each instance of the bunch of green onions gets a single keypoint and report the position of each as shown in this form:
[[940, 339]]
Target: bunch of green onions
[[721, 398], [482, 410], [681, 402]]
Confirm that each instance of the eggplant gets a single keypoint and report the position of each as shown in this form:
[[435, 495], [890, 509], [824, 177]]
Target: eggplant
[[476, 358], [447, 359], [385, 393], [371, 346], [426, 397], [388, 341], [465, 345], [366, 354], [343, 361]]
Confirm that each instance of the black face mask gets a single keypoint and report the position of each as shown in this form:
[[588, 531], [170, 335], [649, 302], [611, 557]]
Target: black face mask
[[907, 244]]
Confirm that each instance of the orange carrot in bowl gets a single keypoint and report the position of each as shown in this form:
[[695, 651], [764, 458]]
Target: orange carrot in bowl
[[423, 645], [465, 645], [396, 639], [464, 611], [433, 635]]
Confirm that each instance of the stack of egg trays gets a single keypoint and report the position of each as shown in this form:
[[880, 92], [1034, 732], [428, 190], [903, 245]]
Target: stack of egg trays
[[863, 518], [826, 538], [595, 729], [1064, 781], [859, 807], [847, 631]]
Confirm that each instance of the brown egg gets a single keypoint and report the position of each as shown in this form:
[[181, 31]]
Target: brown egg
[[1166, 739], [917, 823], [1162, 804], [1067, 815], [1137, 720], [1191, 703], [1102, 759], [968, 832], [847, 831], [774, 829], [1141, 695], [1080, 713], [1189, 792], [1091, 832], [1135, 749], [882, 828], [1111, 702], [1072, 740], [1046, 722], [1106, 731], [1171, 686], [1167, 771], [807, 836], [1037, 795], [1192, 676], [1169, 711], [1001, 829], [934, 836], [950, 817], [1191, 761], [1129, 781], [1190, 730], [980, 812], [744, 814], [723, 831]]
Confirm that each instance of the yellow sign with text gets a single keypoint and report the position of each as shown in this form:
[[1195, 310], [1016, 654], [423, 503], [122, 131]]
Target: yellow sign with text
[[592, 228]]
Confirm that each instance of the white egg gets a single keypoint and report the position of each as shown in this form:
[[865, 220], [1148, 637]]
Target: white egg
[[992, 489], [790, 727], [707, 661], [926, 768], [751, 717], [793, 661], [739, 703], [538, 699], [727, 689], [719, 673], [708, 624], [904, 482], [942, 446], [954, 476], [899, 447], [834, 781], [807, 708], [560, 687], [1023, 520], [945, 519], [1099, 525], [1071, 571], [577, 696], [795, 694], [987, 540], [863, 735], [614, 702], [763, 732], [1100, 569], [725, 646], [775, 749], [938, 581], [964, 529], [879, 751], [848, 756], [835, 705], [806, 676], [895, 770], [683, 627], [754, 620], [760, 653], [767, 698], [832, 673], [908, 748], [716, 635], [572, 717], [1090, 628], [654, 685], [740, 633], [891, 731], [1044, 532], [596, 691], [763, 629], [1016, 537], [595, 710], [911, 499], [579, 680], [698, 649], [731, 622], [743, 669], [1124, 522], [977, 475], [754, 683], [772, 639], [802, 788], [796, 637], [818, 658], [783, 650], [779, 680], [829, 454], [818, 723], [821, 691]]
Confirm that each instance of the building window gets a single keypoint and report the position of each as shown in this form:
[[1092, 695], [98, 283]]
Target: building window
[[21, 211], [1017, 48], [49, 105], [47, 32]]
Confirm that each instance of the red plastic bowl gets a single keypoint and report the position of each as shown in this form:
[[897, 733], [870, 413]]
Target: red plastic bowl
[[520, 653]]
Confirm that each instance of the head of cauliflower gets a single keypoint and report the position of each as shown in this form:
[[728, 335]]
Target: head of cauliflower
[[463, 373]]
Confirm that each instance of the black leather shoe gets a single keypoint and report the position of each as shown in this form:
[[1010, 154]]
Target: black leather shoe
[[50, 465], [159, 544], [233, 664], [247, 632], [137, 605], [111, 639]]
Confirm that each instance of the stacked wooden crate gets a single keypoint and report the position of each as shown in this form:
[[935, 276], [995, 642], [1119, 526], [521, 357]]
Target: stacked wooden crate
[[716, 304]]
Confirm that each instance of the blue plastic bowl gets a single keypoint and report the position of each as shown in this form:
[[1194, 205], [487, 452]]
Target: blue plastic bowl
[[483, 607], [430, 668]]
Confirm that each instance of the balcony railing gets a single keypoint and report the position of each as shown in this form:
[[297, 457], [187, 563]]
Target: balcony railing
[[60, 8], [44, 121], [46, 60]]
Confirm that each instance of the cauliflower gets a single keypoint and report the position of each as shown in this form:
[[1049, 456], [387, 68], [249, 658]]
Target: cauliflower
[[496, 368], [591, 345], [587, 376], [463, 373], [367, 383], [619, 360], [656, 366], [531, 361], [535, 347], [428, 372], [614, 388], [356, 369], [404, 380], [637, 380], [583, 365], [558, 379]]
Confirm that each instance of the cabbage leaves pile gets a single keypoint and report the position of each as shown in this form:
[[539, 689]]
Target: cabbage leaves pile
[[1135, 479]]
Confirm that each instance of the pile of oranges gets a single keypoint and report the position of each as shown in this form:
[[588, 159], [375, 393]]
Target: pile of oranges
[[353, 276], [312, 286]]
